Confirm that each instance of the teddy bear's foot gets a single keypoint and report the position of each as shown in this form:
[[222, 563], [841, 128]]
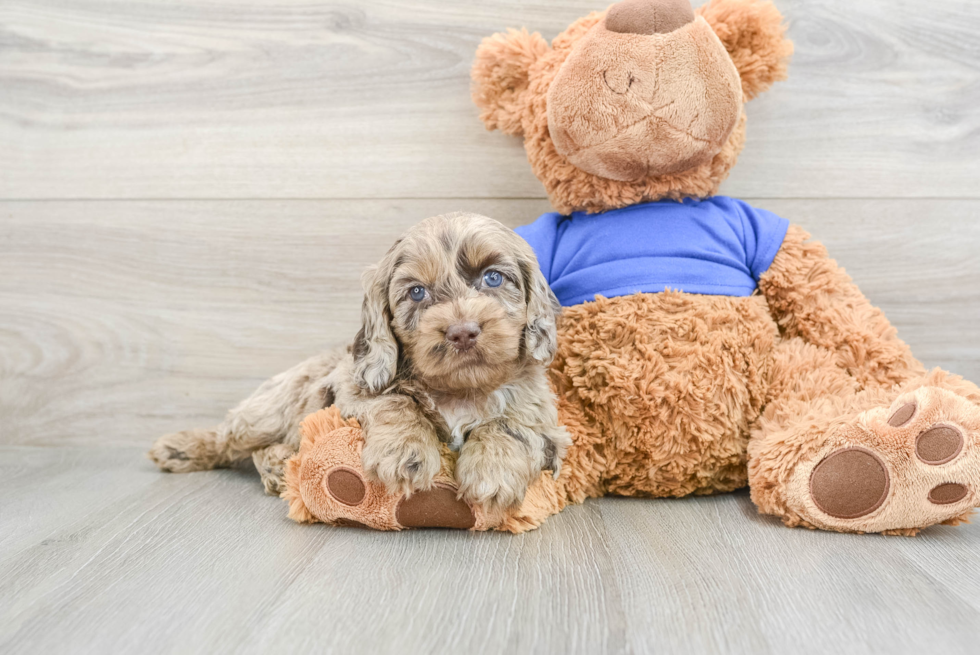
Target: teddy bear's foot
[[326, 482], [895, 469], [367, 504]]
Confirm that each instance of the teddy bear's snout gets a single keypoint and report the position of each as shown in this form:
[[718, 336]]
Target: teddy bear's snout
[[649, 16], [626, 108]]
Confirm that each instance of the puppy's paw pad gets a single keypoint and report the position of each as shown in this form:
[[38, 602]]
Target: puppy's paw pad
[[436, 508], [182, 451], [169, 453], [164, 454]]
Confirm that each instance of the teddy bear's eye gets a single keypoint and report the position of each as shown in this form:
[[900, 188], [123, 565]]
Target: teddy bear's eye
[[493, 278], [417, 293]]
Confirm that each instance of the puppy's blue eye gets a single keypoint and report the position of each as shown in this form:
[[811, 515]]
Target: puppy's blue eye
[[417, 293], [493, 278]]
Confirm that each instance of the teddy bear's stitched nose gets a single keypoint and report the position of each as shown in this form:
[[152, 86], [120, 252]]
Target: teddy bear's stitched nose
[[648, 16]]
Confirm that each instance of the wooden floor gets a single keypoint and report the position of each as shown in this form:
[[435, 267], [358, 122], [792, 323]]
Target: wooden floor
[[100, 553], [189, 190]]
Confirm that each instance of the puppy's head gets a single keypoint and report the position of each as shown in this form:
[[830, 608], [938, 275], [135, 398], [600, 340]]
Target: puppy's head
[[458, 303]]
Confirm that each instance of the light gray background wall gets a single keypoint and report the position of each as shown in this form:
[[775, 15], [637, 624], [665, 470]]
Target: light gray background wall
[[189, 190]]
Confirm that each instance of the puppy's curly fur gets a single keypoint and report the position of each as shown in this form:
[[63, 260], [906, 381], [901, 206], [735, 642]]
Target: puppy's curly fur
[[458, 327]]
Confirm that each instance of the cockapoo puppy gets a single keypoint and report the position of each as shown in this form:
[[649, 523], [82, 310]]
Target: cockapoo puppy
[[458, 327]]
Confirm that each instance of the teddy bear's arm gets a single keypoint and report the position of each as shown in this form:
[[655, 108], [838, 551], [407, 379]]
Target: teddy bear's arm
[[812, 298]]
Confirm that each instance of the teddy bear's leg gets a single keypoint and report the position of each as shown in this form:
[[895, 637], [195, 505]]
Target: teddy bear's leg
[[325, 482], [830, 454]]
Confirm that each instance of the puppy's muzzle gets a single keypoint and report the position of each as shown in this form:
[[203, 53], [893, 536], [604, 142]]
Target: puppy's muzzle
[[462, 336]]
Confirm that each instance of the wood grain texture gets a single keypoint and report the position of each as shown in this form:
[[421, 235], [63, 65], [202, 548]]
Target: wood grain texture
[[278, 149], [710, 575], [204, 562], [228, 99], [124, 320], [102, 553]]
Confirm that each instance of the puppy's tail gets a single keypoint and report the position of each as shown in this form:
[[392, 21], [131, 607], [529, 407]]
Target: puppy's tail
[[192, 450]]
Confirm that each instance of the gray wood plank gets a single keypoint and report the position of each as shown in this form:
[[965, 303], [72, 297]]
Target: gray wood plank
[[710, 575], [128, 559], [204, 563], [228, 99], [124, 320], [547, 591], [44, 490]]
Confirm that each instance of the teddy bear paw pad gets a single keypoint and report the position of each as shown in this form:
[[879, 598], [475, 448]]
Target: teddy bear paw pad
[[435, 508], [849, 483], [363, 504], [939, 444], [903, 467], [346, 486]]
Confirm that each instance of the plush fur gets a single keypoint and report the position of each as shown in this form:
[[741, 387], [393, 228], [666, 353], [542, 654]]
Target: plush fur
[[646, 114]]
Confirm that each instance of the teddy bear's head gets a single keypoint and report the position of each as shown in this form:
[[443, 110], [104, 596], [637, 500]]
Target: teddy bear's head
[[641, 102]]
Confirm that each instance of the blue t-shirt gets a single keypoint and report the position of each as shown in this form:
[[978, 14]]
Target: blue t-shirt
[[718, 246]]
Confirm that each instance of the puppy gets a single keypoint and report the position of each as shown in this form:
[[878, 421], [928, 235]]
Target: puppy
[[458, 327]]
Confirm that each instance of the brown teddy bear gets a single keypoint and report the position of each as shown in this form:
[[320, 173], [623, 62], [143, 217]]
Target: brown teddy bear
[[705, 345]]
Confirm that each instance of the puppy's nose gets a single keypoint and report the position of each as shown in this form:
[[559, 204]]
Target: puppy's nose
[[648, 16], [463, 335]]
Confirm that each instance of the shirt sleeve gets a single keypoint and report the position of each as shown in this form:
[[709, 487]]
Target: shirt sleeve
[[764, 235], [542, 236]]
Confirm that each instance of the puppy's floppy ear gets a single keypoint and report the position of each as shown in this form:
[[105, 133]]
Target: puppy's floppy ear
[[754, 35], [543, 310], [500, 77], [375, 347]]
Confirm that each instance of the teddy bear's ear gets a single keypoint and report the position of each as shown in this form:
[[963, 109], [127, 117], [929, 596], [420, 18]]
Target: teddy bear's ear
[[754, 35], [500, 77]]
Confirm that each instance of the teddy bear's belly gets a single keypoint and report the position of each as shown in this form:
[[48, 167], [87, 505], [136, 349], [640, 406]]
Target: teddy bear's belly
[[659, 391]]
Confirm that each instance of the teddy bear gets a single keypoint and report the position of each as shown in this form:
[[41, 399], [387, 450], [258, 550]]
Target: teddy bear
[[705, 345]]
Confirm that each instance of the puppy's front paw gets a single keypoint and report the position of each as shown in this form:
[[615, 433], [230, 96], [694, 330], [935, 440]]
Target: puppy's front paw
[[494, 478], [403, 466]]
